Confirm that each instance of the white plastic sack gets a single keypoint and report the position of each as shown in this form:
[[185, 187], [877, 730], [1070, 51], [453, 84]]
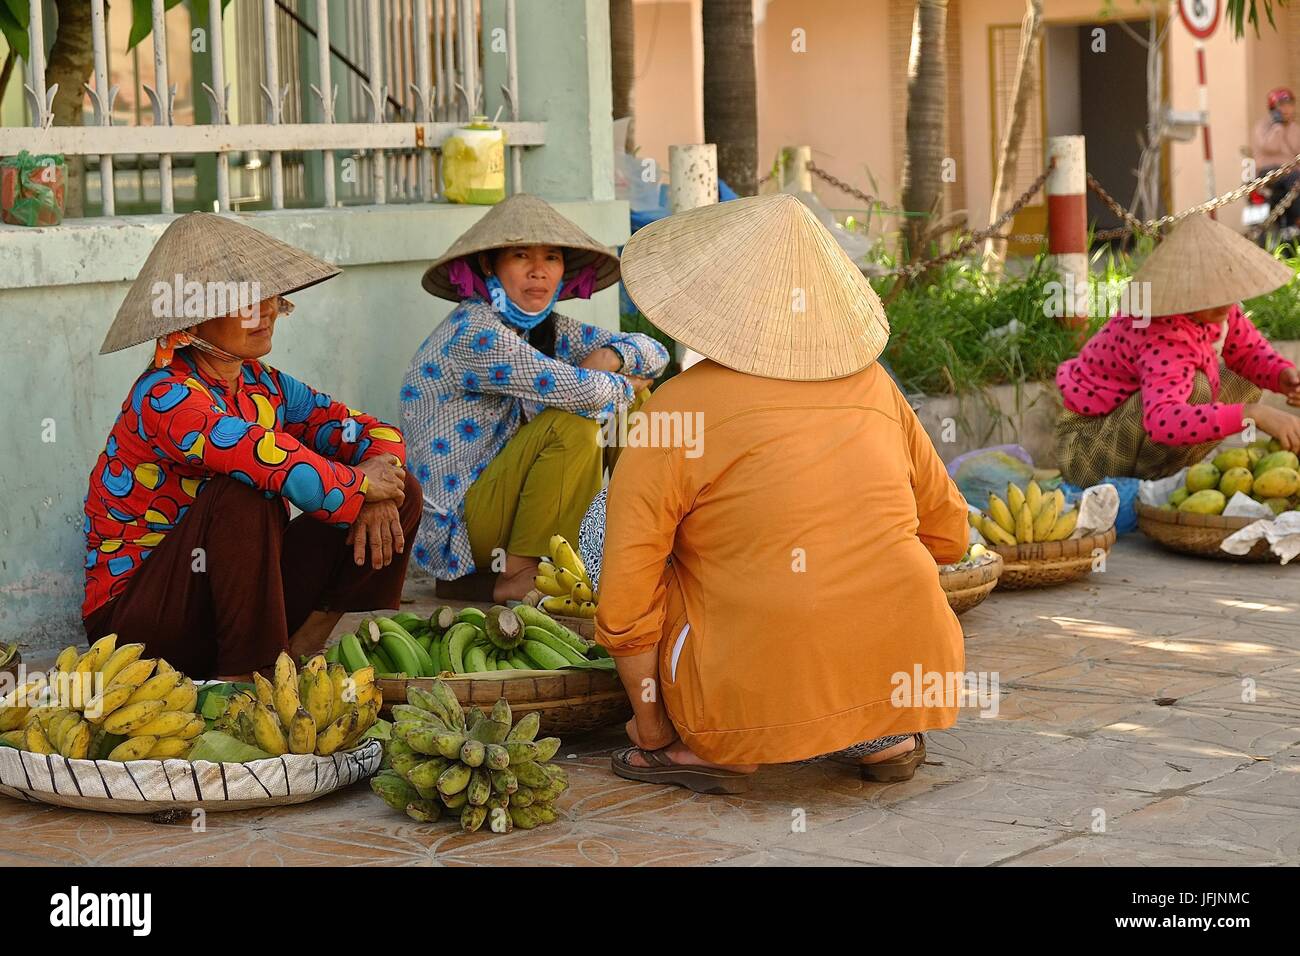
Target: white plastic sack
[[1282, 534]]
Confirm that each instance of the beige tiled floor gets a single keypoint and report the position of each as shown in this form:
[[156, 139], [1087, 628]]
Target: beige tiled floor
[[1079, 767]]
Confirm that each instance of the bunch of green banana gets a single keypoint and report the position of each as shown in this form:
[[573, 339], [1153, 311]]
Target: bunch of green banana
[[397, 646], [1025, 516], [320, 710], [108, 703], [562, 585], [479, 767], [468, 641]]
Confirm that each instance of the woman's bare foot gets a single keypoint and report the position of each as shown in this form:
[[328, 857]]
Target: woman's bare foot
[[516, 580], [314, 632], [679, 753], [906, 747]]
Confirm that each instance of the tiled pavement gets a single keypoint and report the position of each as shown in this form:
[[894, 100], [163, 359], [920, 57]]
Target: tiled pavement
[[1080, 766]]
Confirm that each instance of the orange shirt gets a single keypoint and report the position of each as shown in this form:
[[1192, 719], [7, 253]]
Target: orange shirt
[[804, 541]]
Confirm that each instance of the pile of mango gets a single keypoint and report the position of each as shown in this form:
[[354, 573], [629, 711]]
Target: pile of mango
[[1263, 471]]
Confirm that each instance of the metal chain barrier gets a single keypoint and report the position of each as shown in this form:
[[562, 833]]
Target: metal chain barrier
[[1134, 223], [1283, 205], [865, 198], [980, 235]]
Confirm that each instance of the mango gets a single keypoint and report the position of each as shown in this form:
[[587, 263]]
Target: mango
[[1235, 480], [1208, 501], [1279, 482], [1278, 459], [1225, 461], [1256, 455], [1178, 497], [1202, 477], [1274, 445], [1278, 505]]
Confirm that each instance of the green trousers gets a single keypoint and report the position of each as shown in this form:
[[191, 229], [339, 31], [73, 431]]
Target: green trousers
[[538, 485]]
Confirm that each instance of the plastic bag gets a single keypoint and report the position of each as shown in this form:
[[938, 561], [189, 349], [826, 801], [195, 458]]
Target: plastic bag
[[977, 473], [32, 188]]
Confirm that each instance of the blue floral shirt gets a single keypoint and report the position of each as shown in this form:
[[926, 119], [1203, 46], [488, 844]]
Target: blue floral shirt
[[472, 384]]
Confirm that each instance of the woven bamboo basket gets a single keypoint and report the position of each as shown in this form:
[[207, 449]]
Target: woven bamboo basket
[[569, 701], [1197, 534], [967, 587], [1045, 563]]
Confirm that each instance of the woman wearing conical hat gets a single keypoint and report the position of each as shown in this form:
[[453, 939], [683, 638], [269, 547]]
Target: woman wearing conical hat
[[502, 403], [1152, 393], [768, 594], [189, 546]]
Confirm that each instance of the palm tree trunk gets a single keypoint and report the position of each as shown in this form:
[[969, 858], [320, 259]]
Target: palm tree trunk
[[1031, 32], [731, 91], [927, 84], [622, 49], [72, 59]]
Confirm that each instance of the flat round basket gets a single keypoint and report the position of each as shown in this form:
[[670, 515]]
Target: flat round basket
[[153, 786], [1197, 534], [1045, 563], [967, 587], [569, 701]]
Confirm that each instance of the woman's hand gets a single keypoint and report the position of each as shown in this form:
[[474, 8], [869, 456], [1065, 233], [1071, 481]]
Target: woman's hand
[[651, 738], [639, 383], [379, 526], [386, 478], [602, 360], [1281, 425], [1289, 385]]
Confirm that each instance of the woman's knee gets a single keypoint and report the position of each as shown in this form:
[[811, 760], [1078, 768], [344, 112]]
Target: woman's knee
[[570, 430], [1202, 394], [234, 499]]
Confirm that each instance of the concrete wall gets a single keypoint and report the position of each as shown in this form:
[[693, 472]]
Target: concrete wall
[[59, 290]]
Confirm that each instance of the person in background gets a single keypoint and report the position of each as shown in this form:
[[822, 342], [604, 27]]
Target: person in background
[[1149, 395], [1275, 142], [503, 401], [189, 546], [762, 592]]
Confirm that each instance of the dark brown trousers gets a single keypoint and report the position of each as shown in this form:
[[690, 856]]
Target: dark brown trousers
[[235, 578]]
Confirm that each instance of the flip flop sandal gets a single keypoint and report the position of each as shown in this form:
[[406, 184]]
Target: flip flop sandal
[[663, 770], [895, 769]]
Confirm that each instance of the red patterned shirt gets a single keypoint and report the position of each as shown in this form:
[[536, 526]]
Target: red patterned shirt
[[178, 427]]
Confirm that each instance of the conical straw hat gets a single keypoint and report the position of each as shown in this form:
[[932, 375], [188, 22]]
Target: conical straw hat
[[523, 220], [758, 285], [213, 251], [1203, 264]]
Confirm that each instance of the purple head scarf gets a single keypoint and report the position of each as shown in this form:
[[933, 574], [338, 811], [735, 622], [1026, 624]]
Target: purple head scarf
[[464, 278]]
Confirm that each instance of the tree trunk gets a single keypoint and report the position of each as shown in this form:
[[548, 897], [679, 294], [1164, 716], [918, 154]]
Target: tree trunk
[[730, 91], [7, 71], [1031, 32], [622, 49], [72, 60], [927, 85]]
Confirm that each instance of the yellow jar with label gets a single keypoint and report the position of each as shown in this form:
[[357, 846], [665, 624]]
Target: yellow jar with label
[[474, 164]]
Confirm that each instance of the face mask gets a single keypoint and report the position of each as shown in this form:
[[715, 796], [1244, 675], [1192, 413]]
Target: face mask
[[512, 313]]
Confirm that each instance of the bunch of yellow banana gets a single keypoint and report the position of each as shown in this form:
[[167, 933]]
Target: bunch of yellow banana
[[563, 582], [89, 702], [1025, 516], [321, 710]]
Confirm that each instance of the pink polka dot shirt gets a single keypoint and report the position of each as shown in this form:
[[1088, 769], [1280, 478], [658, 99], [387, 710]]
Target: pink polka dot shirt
[[1161, 360]]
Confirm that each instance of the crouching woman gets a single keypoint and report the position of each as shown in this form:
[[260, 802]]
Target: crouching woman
[[190, 549]]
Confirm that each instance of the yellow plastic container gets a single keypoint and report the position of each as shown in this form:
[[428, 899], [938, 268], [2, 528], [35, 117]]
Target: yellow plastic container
[[474, 164]]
